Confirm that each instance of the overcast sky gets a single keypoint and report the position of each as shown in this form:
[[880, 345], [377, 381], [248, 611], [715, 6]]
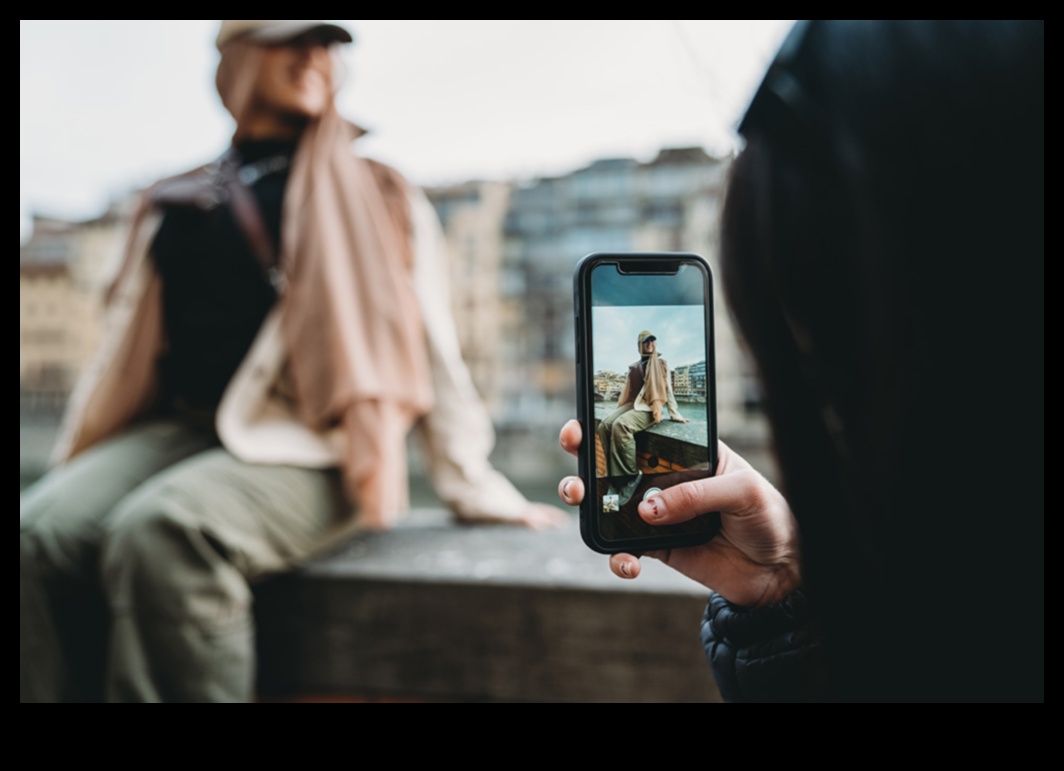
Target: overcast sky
[[106, 105], [680, 330]]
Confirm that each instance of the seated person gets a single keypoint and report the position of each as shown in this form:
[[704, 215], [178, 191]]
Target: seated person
[[647, 391], [279, 326]]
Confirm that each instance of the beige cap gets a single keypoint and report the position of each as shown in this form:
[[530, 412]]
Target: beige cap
[[278, 30]]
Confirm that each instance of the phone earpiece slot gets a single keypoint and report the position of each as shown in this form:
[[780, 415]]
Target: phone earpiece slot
[[649, 267]]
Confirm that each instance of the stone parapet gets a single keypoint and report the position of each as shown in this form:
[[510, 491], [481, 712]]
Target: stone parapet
[[434, 611]]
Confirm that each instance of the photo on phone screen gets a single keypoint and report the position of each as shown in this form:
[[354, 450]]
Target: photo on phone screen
[[648, 396]]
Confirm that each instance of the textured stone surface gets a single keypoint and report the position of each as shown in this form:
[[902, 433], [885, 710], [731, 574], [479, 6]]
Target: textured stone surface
[[442, 612]]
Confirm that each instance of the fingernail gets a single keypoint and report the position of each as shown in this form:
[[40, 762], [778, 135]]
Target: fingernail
[[565, 489], [626, 569], [649, 508]]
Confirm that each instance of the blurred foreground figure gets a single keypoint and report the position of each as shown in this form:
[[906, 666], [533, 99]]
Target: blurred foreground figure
[[279, 325], [883, 250]]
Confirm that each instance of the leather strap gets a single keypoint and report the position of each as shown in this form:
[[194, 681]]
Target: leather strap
[[248, 217]]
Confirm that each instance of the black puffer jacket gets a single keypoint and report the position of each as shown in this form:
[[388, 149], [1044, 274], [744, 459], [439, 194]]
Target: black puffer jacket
[[766, 655]]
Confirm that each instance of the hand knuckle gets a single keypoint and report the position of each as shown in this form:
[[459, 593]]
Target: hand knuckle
[[755, 492], [686, 497]]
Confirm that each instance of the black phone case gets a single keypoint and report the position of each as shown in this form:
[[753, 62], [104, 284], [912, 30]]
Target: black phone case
[[589, 530]]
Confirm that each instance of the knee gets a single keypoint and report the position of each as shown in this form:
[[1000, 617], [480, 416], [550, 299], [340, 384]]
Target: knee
[[156, 556], [139, 544]]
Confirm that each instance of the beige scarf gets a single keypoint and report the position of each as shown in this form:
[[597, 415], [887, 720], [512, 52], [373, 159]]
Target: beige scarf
[[655, 386], [351, 320]]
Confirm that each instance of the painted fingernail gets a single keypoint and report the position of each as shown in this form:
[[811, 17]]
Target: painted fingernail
[[649, 508]]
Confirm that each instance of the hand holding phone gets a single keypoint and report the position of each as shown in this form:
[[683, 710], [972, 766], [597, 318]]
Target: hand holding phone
[[752, 562], [646, 393]]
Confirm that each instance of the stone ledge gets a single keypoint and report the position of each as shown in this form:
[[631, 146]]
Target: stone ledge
[[663, 448], [691, 433], [438, 612]]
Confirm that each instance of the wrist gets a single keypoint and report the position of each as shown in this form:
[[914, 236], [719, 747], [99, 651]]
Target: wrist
[[784, 581], [756, 586], [746, 583]]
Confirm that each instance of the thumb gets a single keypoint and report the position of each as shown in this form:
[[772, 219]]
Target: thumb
[[738, 493]]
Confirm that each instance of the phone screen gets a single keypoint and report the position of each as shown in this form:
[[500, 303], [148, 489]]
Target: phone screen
[[650, 392]]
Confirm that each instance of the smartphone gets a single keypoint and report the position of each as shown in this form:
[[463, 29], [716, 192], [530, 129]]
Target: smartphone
[[646, 393]]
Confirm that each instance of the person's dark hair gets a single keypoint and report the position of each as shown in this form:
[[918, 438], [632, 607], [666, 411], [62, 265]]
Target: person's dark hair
[[883, 254]]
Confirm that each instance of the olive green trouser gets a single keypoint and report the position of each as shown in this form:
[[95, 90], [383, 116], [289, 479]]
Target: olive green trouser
[[137, 560], [617, 433]]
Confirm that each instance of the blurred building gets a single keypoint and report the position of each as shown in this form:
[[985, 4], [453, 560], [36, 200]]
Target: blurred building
[[63, 271], [618, 204], [472, 215]]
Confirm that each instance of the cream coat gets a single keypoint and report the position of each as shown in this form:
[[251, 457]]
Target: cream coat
[[257, 421]]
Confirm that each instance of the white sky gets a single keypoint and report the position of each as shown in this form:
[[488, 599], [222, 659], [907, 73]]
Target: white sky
[[109, 104]]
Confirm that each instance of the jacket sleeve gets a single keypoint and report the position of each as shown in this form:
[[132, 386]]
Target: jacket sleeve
[[674, 409], [766, 655], [457, 434], [120, 381]]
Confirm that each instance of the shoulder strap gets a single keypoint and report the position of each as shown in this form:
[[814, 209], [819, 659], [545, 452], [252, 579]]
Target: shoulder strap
[[213, 185], [248, 217]]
